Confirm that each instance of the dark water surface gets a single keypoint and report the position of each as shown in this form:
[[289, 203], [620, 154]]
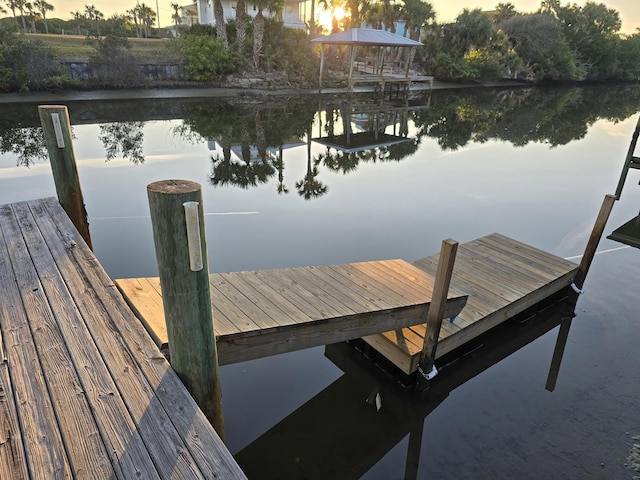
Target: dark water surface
[[533, 164]]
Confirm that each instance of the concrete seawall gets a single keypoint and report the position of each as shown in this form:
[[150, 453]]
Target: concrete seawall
[[83, 69]]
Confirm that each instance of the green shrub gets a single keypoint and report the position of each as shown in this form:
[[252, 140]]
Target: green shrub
[[205, 59], [452, 68], [114, 64], [289, 50], [25, 65]]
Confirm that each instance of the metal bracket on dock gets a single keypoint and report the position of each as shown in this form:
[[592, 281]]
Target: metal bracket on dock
[[429, 376], [57, 128], [193, 235], [575, 288]]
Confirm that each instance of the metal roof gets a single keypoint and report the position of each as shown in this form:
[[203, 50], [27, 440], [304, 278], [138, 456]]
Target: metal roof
[[366, 36]]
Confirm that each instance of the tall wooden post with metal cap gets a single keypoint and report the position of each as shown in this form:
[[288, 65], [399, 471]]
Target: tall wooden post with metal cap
[[181, 251]]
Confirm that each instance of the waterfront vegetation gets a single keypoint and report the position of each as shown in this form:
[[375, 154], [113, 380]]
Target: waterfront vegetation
[[556, 43], [455, 119]]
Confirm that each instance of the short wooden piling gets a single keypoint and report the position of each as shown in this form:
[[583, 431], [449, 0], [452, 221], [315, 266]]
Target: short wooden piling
[[186, 293], [444, 272], [57, 135]]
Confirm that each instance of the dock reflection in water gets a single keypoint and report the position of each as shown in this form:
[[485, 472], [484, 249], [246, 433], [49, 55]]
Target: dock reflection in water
[[340, 433]]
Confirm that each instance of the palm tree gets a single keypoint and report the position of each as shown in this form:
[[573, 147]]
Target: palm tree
[[88, 11], [312, 20], [221, 29], [503, 12], [13, 6], [32, 15], [43, 6], [133, 15], [258, 34], [416, 15], [177, 18], [353, 7], [383, 14], [242, 22], [78, 17], [93, 14], [258, 26], [147, 18], [21, 6]]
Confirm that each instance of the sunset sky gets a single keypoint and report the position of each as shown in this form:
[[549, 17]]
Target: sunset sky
[[445, 9]]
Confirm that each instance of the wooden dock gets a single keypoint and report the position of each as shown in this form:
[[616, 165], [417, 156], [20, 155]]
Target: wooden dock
[[267, 312], [84, 391], [502, 277]]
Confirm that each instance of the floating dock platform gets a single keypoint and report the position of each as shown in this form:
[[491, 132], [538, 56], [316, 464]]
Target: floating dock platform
[[266, 312], [502, 277], [84, 391], [262, 313]]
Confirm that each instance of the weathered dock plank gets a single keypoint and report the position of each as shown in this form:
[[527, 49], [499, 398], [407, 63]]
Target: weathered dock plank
[[85, 391], [502, 277], [261, 313]]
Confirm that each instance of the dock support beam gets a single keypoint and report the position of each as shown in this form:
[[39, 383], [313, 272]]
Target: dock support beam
[[444, 272], [186, 294], [57, 135]]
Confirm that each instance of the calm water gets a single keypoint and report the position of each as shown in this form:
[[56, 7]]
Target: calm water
[[531, 164]]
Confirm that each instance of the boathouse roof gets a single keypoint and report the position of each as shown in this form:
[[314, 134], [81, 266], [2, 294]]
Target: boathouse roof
[[366, 36]]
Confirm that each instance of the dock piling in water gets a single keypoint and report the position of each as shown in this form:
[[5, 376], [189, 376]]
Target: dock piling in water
[[57, 134], [436, 311], [186, 294], [594, 240]]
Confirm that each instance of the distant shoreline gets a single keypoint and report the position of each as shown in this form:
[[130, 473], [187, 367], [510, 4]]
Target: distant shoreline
[[214, 92]]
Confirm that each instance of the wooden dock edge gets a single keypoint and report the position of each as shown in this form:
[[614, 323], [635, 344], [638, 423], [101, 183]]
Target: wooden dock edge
[[261, 343], [407, 362], [281, 340]]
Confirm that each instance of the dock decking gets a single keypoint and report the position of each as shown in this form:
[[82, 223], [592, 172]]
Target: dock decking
[[263, 313], [84, 392], [502, 276]]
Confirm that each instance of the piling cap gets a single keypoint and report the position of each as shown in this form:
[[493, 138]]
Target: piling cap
[[175, 187]]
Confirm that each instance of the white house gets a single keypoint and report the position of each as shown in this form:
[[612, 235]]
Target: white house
[[293, 14]]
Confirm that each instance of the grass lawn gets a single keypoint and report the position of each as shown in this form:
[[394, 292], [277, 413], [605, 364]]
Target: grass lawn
[[76, 46]]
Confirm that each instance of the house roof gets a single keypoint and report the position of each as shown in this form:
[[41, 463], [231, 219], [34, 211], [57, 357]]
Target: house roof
[[366, 36]]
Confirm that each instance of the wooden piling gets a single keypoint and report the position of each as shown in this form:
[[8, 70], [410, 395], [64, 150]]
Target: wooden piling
[[594, 240], [630, 161], [57, 135], [186, 295], [436, 311], [558, 353]]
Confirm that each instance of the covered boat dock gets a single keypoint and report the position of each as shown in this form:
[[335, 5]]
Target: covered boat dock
[[375, 68]]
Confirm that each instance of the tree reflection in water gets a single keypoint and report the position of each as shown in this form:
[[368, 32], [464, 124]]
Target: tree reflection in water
[[252, 135], [27, 143], [123, 137], [310, 187]]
